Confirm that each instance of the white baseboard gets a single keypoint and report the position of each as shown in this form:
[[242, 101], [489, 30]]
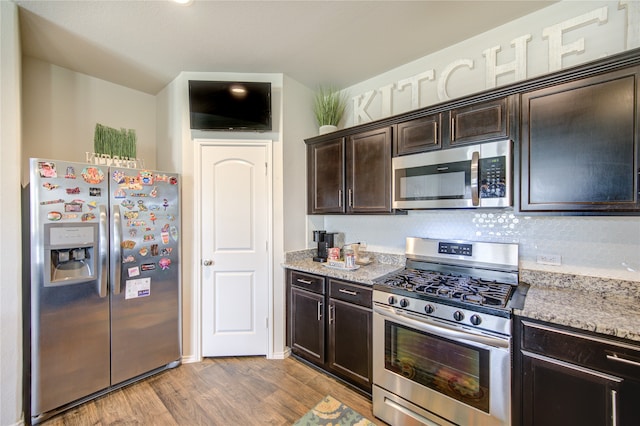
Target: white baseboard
[[280, 355], [189, 359]]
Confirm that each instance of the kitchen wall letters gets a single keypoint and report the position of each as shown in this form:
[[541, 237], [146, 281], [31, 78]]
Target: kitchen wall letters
[[557, 48]]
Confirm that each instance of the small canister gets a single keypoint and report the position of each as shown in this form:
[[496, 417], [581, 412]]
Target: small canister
[[349, 259]]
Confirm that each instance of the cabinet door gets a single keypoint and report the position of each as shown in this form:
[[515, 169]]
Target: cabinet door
[[325, 177], [580, 145], [559, 394], [479, 122], [349, 354], [307, 325], [421, 134], [369, 172]]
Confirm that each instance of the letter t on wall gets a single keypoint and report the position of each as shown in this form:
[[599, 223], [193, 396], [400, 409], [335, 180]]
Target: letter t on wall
[[414, 82]]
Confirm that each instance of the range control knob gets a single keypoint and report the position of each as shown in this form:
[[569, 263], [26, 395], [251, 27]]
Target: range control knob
[[404, 303], [458, 316], [429, 308], [475, 319], [391, 300]]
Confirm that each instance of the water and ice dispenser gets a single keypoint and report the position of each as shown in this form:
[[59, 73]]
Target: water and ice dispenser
[[70, 253]]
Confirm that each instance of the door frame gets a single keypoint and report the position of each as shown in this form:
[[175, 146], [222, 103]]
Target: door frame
[[196, 305]]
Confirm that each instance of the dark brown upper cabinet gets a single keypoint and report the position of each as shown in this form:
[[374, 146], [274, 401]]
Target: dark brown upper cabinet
[[368, 165], [350, 175], [325, 177], [479, 122], [421, 134], [580, 148], [576, 139]]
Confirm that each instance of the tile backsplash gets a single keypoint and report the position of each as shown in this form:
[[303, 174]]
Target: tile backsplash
[[587, 245]]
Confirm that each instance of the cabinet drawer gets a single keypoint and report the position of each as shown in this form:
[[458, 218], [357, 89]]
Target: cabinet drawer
[[350, 292], [307, 281], [582, 349]]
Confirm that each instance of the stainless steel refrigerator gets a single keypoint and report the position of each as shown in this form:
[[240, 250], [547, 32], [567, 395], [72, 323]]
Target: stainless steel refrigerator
[[101, 283]]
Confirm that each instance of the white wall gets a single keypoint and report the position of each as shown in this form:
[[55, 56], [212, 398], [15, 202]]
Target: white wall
[[10, 260], [174, 135], [598, 246], [299, 123], [61, 109]]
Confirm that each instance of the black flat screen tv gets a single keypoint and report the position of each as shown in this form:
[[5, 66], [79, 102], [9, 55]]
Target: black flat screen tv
[[230, 105]]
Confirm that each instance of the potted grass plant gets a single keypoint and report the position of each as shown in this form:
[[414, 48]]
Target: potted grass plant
[[328, 106], [114, 142]]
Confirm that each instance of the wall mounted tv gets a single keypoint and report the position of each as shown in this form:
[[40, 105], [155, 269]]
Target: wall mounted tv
[[230, 105]]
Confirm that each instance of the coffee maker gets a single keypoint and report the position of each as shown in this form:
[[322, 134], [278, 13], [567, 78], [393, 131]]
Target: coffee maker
[[325, 240]]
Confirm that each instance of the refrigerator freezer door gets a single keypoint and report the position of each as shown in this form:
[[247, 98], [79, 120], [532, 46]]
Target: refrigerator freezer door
[[71, 346], [69, 320], [145, 297]]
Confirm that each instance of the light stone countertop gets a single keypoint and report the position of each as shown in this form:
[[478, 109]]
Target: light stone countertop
[[607, 306], [382, 264]]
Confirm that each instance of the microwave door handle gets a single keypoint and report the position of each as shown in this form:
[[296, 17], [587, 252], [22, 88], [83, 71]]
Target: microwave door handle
[[475, 172]]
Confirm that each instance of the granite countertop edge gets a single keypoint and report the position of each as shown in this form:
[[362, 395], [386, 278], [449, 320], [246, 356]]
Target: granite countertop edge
[[605, 306]]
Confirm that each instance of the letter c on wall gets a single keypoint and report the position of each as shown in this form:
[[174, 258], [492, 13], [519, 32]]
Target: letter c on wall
[[446, 72]]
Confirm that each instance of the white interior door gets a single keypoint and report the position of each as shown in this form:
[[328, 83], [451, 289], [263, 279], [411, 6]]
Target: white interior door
[[235, 239]]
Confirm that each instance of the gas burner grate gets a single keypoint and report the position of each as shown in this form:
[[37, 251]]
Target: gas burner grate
[[451, 286]]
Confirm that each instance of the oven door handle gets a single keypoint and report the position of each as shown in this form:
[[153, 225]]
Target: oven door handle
[[441, 329]]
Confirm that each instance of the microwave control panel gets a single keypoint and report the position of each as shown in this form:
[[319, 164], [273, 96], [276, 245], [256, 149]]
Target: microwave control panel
[[493, 172]]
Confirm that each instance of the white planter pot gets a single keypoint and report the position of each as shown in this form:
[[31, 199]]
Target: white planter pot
[[327, 128]]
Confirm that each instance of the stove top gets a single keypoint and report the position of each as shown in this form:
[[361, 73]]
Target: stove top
[[449, 286], [455, 279]]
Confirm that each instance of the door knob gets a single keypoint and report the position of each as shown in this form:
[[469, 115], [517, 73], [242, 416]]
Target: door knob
[[207, 262]]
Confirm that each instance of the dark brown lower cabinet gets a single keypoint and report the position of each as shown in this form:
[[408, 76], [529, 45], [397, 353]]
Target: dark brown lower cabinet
[[572, 377], [332, 331], [350, 322], [307, 324], [565, 394]]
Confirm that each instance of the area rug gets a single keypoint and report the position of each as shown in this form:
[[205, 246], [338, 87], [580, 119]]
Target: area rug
[[331, 412]]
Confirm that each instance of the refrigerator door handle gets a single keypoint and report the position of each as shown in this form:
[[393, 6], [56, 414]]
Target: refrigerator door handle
[[103, 240], [116, 254]]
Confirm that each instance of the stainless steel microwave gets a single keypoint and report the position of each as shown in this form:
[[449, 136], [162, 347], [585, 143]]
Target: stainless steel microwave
[[467, 177]]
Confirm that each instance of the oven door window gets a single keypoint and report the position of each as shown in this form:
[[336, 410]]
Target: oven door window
[[457, 370]]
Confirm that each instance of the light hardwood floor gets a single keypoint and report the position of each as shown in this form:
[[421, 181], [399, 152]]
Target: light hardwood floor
[[218, 391]]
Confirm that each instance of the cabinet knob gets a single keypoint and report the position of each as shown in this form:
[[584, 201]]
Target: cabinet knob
[[207, 262]]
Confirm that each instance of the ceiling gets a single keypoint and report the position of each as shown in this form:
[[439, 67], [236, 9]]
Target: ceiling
[[145, 44]]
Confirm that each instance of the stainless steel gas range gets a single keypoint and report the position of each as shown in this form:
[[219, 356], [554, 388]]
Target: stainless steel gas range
[[442, 334]]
